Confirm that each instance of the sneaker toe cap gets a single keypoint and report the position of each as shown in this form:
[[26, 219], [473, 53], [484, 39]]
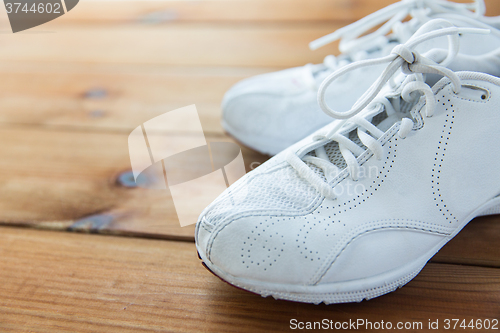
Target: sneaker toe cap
[[246, 248]]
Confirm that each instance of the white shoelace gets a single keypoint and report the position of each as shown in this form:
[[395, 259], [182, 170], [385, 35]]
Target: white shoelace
[[355, 48], [413, 86]]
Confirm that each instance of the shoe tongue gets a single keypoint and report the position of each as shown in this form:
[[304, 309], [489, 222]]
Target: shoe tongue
[[379, 117]]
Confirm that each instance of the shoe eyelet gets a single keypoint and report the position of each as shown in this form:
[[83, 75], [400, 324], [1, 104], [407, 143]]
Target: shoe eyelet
[[475, 93]]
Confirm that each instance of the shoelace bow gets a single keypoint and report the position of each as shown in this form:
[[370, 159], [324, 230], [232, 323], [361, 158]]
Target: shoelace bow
[[356, 47], [402, 57]]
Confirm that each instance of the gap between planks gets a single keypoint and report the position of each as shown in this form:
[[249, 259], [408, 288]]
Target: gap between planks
[[74, 186], [69, 282]]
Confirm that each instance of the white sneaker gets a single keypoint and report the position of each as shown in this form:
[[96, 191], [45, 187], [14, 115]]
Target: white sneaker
[[357, 209], [270, 112]]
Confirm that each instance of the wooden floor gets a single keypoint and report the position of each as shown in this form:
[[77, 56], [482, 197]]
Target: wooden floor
[[82, 251]]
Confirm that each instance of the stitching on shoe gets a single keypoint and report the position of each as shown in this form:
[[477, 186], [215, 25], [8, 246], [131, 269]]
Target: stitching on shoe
[[375, 226], [443, 207], [473, 100], [260, 212], [438, 161], [275, 168], [204, 226], [372, 188], [417, 115], [278, 213], [328, 262], [417, 111], [316, 203]]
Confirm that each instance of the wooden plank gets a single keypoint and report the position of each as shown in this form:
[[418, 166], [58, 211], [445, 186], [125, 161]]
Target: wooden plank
[[230, 11], [62, 179], [197, 44], [222, 11], [114, 97], [61, 282], [476, 244], [203, 44], [65, 179]]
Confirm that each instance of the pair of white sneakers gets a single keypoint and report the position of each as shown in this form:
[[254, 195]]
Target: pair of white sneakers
[[357, 208]]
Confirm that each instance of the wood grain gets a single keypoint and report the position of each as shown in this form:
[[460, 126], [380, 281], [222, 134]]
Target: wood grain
[[61, 282], [227, 11], [476, 244], [66, 179], [71, 92], [112, 97], [241, 11], [196, 44], [71, 179]]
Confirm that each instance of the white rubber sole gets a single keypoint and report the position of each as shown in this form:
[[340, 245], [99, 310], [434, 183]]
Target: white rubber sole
[[350, 291]]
